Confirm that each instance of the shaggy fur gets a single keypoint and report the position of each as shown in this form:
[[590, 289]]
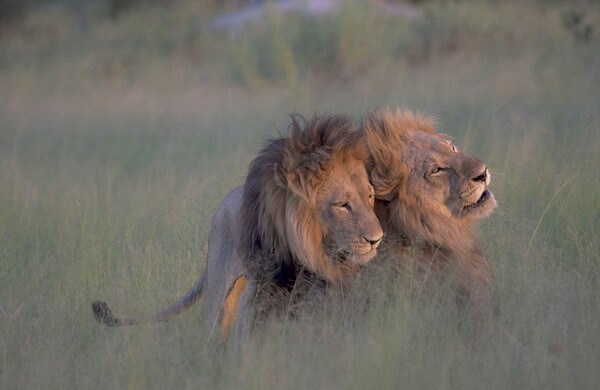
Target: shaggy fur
[[280, 210], [430, 194]]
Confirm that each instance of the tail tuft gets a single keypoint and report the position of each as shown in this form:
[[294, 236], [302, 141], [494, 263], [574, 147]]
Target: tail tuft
[[104, 315]]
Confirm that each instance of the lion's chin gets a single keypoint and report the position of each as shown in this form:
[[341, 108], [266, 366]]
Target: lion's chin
[[357, 258], [482, 208], [362, 258]]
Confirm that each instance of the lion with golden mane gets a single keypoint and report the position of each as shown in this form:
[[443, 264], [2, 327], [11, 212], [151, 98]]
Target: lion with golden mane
[[306, 206], [429, 196]]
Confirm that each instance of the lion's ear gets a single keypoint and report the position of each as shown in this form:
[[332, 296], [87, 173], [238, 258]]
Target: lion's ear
[[292, 179], [295, 180], [384, 184], [300, 183]]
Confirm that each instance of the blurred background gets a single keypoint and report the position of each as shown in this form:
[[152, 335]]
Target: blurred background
[[123, 123]]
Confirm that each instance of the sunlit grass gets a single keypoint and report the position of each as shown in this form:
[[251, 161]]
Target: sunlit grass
[[110, 171]]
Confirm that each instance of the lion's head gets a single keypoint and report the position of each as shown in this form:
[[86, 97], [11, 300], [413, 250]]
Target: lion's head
[[435, 190], [308, 202]]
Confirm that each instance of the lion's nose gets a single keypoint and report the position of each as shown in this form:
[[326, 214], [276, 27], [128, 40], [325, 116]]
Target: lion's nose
[[374, 241], [482, 175]]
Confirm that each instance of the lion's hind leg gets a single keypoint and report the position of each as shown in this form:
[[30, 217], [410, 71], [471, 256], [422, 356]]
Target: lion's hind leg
[[229, 309]]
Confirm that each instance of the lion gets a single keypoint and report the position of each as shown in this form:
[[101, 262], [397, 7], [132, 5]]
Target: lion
[[307, 206], [429, 195]]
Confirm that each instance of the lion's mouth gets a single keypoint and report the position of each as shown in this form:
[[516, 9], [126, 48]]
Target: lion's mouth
[[486, 199], [484, 196]]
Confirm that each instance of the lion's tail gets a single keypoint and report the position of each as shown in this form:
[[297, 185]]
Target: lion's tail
[[104, 315]]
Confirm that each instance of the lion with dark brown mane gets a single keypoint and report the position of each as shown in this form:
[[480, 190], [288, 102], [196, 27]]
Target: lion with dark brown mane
[[306, 206], [430, 194]]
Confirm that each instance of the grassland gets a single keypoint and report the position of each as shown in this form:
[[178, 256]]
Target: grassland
[[118, 138]]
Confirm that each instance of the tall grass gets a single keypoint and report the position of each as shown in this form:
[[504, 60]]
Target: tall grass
[[117, 143]]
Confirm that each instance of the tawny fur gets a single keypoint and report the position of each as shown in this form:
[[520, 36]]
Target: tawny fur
[[414, 201], [284, 228]]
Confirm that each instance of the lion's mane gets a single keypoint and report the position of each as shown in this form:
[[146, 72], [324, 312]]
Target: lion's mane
[[282, 232], [440, 242]]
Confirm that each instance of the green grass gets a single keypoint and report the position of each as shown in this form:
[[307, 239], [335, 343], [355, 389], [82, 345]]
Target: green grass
[[117, 143]]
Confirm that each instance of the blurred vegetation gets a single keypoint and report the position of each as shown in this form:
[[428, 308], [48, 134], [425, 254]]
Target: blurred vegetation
[[281, 48], [10, 10], [120, 133]]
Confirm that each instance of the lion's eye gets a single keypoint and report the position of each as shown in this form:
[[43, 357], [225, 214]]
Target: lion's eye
[[437, 170], [343, 205], [453, 147]]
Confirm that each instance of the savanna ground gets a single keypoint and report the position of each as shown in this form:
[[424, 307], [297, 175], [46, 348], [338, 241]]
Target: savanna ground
[[119, 136]]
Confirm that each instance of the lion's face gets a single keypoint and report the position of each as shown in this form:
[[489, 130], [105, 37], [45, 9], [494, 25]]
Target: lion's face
[[447, 180], [345, 200], [330, 222], [429, 189]]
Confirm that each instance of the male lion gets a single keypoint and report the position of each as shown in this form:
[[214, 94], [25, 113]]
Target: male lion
[[307, 205], [430, 194]]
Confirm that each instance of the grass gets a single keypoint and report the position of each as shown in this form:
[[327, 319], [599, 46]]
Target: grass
[[118, 141]]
